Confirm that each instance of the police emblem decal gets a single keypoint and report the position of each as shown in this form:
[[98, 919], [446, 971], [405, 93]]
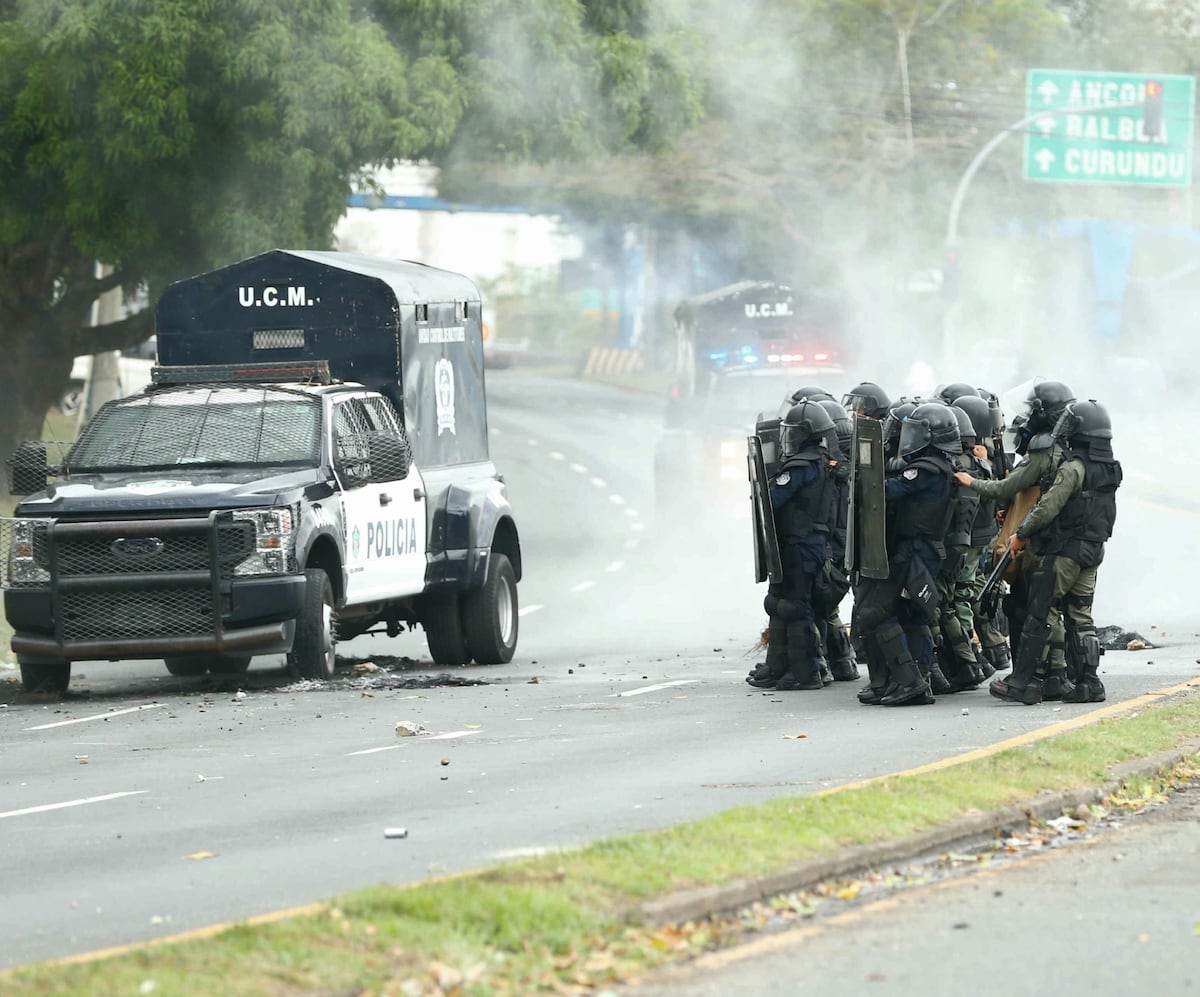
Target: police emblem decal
[[784, 478], [910, 474], [354, 538], [443, 393]]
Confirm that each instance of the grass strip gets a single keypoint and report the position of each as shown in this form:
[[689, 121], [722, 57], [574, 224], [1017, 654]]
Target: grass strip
[[561, 923]]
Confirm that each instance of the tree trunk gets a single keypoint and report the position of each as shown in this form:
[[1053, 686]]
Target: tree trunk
[[31, 380]]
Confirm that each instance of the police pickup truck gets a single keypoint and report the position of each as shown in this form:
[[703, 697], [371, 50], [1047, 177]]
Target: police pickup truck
[[309, 464]]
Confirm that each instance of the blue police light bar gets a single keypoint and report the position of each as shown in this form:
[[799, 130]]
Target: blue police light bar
[[308, 372]]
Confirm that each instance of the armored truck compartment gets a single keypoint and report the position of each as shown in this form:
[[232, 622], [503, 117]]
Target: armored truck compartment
[[409, 331]]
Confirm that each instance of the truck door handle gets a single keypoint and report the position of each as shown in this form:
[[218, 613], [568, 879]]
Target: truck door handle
[[418, 494], [384, 499]]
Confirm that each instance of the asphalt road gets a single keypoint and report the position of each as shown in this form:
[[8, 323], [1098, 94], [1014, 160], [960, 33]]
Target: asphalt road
[[144, 805]]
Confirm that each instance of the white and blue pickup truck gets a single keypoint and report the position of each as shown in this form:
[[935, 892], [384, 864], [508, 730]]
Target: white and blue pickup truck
[[309, 464]]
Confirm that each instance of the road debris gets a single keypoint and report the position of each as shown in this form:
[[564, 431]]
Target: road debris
[[409, 728], [395, 832]]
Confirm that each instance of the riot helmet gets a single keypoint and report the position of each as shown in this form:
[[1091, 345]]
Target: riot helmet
[[1046, 402], [806, 422], [1085, 421], [892, 422], [841, 424], [810, 391], [980, 414], [867, 399], [949, 393], [966, 429], [930, 424]]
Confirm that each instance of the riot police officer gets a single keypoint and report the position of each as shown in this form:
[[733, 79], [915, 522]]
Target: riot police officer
[[959, 664], [1042, 453], [983, 532], [803, 497], [812, 392], [920, 503], [1066, 532], [835, 637]]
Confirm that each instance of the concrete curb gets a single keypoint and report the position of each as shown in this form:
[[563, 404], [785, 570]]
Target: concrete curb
[[692, 905]]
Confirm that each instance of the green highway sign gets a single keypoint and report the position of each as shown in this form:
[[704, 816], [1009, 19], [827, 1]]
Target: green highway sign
[[1109, 128]]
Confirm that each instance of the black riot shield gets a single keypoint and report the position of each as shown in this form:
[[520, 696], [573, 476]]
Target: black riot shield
[[767, 562], [866, 536]]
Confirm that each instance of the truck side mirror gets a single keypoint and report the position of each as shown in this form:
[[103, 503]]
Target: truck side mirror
[[390, 457], [27, 468]]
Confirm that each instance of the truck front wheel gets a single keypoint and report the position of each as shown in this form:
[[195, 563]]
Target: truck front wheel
[[312, 654], [442, 619], [490, 614], [44, 676]]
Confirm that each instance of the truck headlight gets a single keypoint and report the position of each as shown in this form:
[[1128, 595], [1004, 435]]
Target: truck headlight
[[23, 566], [274, 540]]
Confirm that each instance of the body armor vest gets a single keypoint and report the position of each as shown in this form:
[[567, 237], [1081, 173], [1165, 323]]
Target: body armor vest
[[1080, 530], [927, 520], [966, 505], [985, 527], [811, 508]]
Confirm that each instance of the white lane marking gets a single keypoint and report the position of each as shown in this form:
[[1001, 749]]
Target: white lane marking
[[450, 735], [533, 443], [653, 688], [72, 803], [579, 469], [616, 499], [599, 482], [639, 525], [632, 513], [632, 543], [555, 455], [582, 586], [526, 610], [615, 566], [98, 716]]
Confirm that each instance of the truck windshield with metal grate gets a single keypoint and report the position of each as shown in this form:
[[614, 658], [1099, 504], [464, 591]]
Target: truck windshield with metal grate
[[212, 425]]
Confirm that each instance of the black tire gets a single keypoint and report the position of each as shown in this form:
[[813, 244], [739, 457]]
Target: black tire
[[229, 665], [44, 676], [442, 619], [187, 666], [313, 651], [490, 614]]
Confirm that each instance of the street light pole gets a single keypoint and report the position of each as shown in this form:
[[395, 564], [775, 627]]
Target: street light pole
[[960, 193]]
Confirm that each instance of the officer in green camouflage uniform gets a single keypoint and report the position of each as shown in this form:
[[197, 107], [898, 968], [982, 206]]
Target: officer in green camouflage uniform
[[1042, 452], [1066, 533]]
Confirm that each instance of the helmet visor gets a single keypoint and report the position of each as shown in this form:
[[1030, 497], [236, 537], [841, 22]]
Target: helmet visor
[[914, 436]]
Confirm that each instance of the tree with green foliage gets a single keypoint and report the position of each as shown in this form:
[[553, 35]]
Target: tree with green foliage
[[165, 137]]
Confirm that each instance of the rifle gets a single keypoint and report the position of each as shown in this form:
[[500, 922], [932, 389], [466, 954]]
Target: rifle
[[989, 595]]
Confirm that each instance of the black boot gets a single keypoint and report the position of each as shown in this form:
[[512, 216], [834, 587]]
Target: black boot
[[1056, 686], [908, 685], [841, 656], [998, 657], [877, 671], [1089, 688], [804, 662], [906, 681], [1023, 685], [768, 674]]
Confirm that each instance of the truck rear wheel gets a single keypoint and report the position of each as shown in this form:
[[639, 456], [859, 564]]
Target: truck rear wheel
[[44, 676], [490, 614], [313, 654], [442, 619]]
